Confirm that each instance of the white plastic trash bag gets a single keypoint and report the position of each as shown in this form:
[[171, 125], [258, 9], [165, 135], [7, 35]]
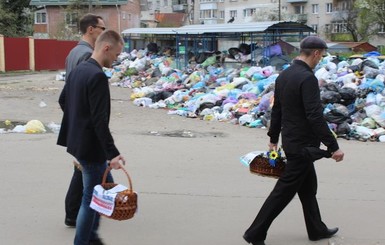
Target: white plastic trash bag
[[34, 127]]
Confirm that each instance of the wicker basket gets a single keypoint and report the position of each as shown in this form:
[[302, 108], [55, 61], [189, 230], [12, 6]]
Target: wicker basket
[[261, 166], [126, 202]]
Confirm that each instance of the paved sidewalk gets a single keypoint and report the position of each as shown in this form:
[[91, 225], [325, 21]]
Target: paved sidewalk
[[192, 191]]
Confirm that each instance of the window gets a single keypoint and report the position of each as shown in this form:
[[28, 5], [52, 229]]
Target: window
[[208, 14], [314, 8], [339, 28], [233, 13], [157, 5], [178, 2], [165, 3], [299, 9], [248, 12], [381, 28], [41, 18], [221, 14], [329, 7], [71, 19], [345, 5], [327, 28]]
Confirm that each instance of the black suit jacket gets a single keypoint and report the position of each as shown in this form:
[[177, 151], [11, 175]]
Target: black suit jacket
[[297, 111], [85, 101]]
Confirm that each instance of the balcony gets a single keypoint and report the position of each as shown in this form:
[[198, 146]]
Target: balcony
[[296, 1], [301, 18]]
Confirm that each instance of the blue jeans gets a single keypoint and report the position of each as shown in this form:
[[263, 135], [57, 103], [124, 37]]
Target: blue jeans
[[87, 222]]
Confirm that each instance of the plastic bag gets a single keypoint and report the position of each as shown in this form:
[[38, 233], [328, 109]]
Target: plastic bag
[[34, 127]]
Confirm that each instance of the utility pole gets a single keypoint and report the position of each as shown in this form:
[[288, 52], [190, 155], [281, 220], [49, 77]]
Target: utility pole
[[279, 10]]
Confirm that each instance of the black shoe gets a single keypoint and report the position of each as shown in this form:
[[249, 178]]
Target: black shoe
[[247, 239], [96, 242], [70, 222], [327, 234]]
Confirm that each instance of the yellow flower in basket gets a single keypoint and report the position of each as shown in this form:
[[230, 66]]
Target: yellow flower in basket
[[273, 156]]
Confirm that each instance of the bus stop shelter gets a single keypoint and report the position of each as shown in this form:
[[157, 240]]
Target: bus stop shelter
[[201, 38]]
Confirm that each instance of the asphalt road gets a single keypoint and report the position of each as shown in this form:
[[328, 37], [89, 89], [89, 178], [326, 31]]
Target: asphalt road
[[192, 190]]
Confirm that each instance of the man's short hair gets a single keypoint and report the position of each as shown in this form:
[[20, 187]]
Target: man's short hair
[[88, 20], [109, 36], [313, 42]]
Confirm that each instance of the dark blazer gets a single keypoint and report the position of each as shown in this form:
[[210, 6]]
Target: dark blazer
[[298, 112], [85, 101]]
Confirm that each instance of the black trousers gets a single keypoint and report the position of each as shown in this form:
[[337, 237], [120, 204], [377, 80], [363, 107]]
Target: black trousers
[[74, 195], [299, 177]]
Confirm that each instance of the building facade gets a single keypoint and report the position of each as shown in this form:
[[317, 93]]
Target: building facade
[[327, 17], [59, 19]]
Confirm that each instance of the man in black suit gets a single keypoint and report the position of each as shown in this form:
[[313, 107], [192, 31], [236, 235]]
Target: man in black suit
[[91, 26], [85, 101], [297, 114]]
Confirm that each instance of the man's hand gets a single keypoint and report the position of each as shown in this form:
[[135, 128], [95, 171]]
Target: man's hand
[[116, 161], [338, 155], [272, 147]]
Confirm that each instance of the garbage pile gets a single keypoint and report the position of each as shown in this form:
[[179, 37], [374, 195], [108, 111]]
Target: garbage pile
[[31, 127], [352, 91]]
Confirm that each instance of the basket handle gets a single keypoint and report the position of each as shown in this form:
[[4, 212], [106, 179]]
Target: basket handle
[[108, 169]]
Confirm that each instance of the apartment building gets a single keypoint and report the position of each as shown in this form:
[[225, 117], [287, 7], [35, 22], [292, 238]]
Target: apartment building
[[166, 13], [326, 17], [56, 19]]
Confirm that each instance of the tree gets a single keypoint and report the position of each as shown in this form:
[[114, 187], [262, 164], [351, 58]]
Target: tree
[[367, 21], [7, 23], [376, 10], [15, 18]]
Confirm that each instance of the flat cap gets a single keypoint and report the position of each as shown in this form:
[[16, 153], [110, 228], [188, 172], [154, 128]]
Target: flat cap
[[313, 42]]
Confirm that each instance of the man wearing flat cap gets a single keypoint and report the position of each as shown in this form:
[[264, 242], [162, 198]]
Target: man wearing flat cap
[[297, 116]]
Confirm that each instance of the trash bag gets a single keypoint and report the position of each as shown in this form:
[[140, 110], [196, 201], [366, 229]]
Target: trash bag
[[343, 128], [354, 68], [34, 127], [369, 123], [330, 87], [330, 97], [152, 48], [233, 53], [335, 116], [348, 95], [244, 48], [368, 63], [156, 73], [157, 96], [358, 116]]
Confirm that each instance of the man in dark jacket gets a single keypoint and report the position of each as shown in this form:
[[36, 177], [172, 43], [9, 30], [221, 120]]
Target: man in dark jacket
[[297, 114], [90, 26], [85, 128]]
